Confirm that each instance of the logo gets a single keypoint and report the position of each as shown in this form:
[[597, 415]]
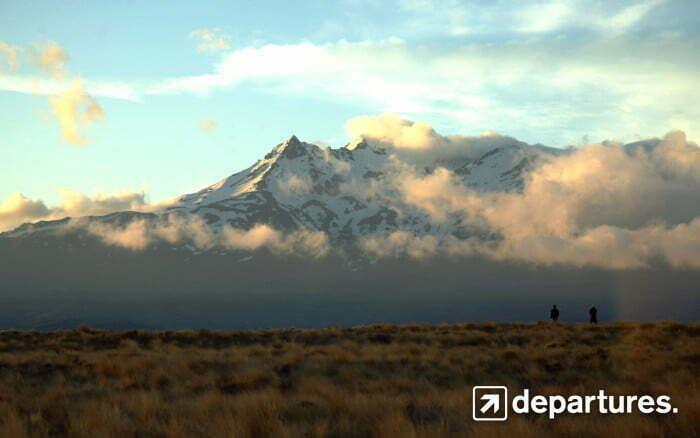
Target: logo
[[490, 403]]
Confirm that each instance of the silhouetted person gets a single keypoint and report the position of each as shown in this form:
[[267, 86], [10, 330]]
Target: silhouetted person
[[554, 313], [593, 313]]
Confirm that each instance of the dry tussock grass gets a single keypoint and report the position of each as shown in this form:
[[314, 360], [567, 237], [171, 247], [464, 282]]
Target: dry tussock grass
[[374, 381]]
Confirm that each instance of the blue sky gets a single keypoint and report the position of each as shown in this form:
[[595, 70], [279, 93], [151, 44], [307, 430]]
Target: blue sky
[[143, 76]]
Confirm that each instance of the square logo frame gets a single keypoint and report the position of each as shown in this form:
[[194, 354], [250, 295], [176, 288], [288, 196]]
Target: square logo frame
[[502, 392]]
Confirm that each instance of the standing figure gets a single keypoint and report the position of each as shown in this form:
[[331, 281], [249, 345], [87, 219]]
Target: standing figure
[[554, 313], [593, 313]]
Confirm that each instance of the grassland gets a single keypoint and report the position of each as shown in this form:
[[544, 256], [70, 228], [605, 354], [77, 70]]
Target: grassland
[[379, 381]]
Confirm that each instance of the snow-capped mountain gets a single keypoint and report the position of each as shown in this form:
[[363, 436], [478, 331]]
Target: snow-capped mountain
[[345, 192]]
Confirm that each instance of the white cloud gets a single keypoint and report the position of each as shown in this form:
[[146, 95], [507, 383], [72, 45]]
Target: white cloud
[[562, 15], [412, 19], [547, 17], [555, 91], [50, 86], [558, 89], [451, 17], [628, 16]]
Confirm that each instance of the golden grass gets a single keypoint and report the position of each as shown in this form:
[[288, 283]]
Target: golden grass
[[374, 381]]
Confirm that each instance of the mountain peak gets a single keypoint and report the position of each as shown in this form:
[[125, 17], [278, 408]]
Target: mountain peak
[[291, 148], [291, 140]]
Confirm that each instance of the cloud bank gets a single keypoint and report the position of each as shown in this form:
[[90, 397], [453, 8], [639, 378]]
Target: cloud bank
[[18, 209], [140, 234], [609, 205], [417, 142]]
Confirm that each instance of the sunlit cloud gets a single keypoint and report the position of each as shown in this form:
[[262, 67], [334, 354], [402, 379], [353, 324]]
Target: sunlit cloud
[[71, 103], [211, 40], [307, 242], [140, 234], [18, 209], [417, 142], [394, 130], [75, 108], [51, 58], [10, 52], [612, 206]]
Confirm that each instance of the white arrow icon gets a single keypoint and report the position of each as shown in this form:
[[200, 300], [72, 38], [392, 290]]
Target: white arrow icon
[[490, 397], [492, 400]]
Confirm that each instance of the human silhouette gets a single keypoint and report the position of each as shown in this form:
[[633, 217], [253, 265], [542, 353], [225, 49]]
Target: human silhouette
[[593, 313], [554, 313]]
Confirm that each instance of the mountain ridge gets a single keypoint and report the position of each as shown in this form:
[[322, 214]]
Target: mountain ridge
[[300, 185]]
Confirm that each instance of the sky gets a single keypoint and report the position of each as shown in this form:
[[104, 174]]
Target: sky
[[165, 98]]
